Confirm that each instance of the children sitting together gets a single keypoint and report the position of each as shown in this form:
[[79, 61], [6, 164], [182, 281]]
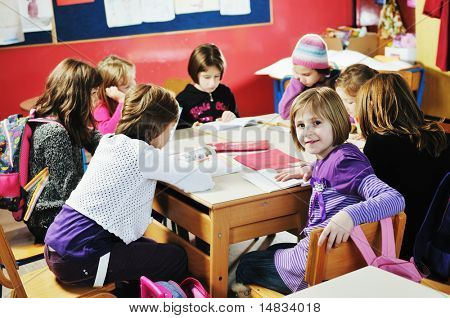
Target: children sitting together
[[93, 222]]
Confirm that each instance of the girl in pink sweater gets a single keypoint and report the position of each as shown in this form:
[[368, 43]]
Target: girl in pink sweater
[[119, 76]]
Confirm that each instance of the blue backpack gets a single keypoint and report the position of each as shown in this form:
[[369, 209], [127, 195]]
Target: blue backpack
[[15, 137], [432, 245]]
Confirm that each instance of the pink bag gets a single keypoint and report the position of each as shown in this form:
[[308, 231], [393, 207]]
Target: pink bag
[[387, 260], [189, 288]]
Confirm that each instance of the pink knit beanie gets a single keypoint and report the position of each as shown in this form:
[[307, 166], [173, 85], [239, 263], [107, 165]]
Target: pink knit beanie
[[311, 52]]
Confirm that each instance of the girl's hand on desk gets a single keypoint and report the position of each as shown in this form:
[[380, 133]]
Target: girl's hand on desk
[[338, 230], [227, 116], [303, 172], [114, 93], [196, 124]]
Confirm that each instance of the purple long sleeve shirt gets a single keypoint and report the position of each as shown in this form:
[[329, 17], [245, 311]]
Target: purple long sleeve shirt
[[294, 89], [343, 181]]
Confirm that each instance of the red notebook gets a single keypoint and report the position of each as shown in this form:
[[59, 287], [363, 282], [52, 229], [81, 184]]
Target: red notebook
[[271, 159], [241, 146]]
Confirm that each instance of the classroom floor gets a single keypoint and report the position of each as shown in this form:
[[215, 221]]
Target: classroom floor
[[236, 250]]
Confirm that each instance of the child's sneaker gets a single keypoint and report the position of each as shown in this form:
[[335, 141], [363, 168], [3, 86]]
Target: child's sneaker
[[240, 290]]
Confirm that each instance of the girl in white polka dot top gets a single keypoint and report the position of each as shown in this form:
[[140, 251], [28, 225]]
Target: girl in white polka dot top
[[97, 236]]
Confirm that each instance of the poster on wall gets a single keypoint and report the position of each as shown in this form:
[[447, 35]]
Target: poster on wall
[[61, 3], [36, 15], [235, 7], [157, 10], [123, 12], [10, 24], [194, 6]]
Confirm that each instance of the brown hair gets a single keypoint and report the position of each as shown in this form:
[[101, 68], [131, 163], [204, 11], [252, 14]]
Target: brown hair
[[68, 97], [204, 56], [114, 71], [324, 103], [385, 105], [353, 77], [147, 111]]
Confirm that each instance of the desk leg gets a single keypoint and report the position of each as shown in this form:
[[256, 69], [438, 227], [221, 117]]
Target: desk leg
[[220, 242]]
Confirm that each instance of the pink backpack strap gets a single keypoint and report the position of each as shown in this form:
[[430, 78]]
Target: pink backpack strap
[[387, 238], [45, 120], [363, 245]]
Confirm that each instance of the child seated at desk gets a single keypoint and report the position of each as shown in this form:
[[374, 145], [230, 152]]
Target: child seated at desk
[[67, 100], [348, 84], [406, 151], [311, 69], [207, 99], [97, 236], [345, 193], [118, 76]]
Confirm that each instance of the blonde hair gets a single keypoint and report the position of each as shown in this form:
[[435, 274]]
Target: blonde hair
[[385, 105], [353, 77], [147, 111], [68, 97], [115, 71], [324, 103]]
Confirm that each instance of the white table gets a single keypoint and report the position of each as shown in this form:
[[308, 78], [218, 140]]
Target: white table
[[368, 282]]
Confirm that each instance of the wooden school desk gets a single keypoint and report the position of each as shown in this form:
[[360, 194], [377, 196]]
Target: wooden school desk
[[368, 282], [234, 210]]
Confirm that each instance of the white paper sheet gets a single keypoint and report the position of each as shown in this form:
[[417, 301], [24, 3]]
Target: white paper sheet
[[341, 59], [235, 123], [265, 180], [123, 12], [157, 10], [10, 23], [193, 6], [346, 58], [235, 7], [36, 15]]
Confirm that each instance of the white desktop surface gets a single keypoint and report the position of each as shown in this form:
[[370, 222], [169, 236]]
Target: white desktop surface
[[368, 282]]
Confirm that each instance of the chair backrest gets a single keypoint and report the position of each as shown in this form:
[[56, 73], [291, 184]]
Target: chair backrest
[[176, 85], [12, 281], [346, 257]]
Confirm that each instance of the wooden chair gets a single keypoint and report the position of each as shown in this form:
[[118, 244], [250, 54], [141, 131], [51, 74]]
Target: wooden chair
[[40, 283], [24, 249], [345, 258], [175, 84], [28, 103], [442, 287]]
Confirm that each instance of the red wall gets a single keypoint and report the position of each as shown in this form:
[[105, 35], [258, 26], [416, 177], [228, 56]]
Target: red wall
[[23, 71]]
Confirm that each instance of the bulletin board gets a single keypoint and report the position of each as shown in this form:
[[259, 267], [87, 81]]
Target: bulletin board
[[87, 21]]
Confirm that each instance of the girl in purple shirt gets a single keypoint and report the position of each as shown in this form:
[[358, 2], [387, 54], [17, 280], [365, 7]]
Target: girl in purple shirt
[[345, 193]]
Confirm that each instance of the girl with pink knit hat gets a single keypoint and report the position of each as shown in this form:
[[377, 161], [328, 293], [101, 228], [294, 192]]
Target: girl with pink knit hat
[[310, 69]]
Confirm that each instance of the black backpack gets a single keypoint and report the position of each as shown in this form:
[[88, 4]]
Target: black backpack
[[432, 245]]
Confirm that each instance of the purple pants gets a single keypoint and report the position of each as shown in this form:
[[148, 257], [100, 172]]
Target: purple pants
[[142, 257]]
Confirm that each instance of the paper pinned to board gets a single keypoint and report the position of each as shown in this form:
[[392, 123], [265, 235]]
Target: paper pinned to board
[[10, 23], [195, 6], [121, 13], [235, 7], [157, 10], [36, 16]]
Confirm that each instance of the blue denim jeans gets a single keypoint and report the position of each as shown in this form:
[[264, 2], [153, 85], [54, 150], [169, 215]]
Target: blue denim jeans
[[258, 268]]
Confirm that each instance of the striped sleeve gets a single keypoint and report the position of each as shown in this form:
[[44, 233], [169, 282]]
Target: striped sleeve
[[381, 201], [294, 89]]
